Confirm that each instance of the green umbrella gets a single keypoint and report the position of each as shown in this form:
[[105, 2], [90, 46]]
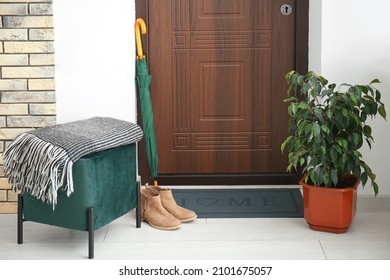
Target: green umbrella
[[143, 81]]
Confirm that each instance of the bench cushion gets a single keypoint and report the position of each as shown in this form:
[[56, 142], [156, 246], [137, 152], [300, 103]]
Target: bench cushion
[[104, 180]]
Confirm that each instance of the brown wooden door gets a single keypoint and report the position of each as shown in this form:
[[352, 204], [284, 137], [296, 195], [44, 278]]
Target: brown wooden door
[[218, 84]]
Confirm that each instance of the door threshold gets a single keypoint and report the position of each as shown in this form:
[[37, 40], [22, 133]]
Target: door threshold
[[231, 187]]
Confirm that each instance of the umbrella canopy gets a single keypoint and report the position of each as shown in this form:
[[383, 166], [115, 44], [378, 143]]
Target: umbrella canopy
[[143, 81]]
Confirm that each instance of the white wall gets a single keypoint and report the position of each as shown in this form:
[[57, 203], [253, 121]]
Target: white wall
[[355, 48], [315, 35], [95, 53]]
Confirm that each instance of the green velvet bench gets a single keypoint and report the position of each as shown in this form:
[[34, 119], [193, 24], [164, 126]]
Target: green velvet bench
[[105, 188]]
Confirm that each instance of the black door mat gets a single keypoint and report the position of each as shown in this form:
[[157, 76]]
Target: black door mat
[[242, 203]]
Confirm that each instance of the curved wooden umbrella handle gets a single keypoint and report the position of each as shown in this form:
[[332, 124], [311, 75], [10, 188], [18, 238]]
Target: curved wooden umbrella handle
[[140, 27]]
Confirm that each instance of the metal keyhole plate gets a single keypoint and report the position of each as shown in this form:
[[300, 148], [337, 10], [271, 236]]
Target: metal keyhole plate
[[286, 9]]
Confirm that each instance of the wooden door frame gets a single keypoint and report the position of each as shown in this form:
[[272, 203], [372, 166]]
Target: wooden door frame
[[301, 61]]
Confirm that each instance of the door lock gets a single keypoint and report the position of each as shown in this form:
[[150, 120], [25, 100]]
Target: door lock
[[286, 9]]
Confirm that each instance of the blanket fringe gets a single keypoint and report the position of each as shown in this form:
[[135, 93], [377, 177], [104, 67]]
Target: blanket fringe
[[38, 167]]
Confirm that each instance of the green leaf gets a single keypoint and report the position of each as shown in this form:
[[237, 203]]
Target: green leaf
[[294, 108], [356, 139], [305, 88], [325, 92], [358, 90], [323, 150], [318, 114], [375, 81], [354, 99], [375, 187], [326, 179], [343, 143], [295, 77], [344, 158], [300, 80], [341, 119], [291, 99], [363, 116], [308, 128], [289, 167], [334, 177], [377, 95], [357, 171], [364, 178], [367, 130], [316, 129], [368, 142], [333, 154], [319, 175], [345, 112], [364, 89], [313, 177], [382, 111], [283, 146], [325, 129]]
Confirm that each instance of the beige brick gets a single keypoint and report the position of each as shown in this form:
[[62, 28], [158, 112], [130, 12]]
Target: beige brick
[[1, 43], [6, 145], [1, 146], [12, 196], [24, 1], [30, 121], [13, 34], [42, 59], [41, 34], [27, 96], [28, 47], [13, 59], [4, 185], [3, 195], [43, 109], [1, 22], [2, 124], [41, 9], [28, 21], [11, 133], [41, 84], [13, 9], [2, 172], [13, 84], [13, 109], [8, 207], [1, 156], [28, 72]]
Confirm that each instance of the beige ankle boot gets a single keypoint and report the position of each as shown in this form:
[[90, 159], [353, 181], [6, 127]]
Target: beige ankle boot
[[154, 213], [169, 203]]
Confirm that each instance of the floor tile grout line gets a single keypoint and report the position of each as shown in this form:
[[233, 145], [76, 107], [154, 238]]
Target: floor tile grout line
[[105, 235], [323, 251]]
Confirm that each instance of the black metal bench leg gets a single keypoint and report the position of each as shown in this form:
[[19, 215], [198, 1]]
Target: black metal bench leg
[[20, 219], [91, 250], [138, 206]]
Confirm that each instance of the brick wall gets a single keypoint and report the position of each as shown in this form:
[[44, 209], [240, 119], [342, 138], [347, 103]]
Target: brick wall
[[27, 97]]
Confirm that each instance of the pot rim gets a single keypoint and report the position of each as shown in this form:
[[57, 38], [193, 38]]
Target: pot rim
[[330, 189]]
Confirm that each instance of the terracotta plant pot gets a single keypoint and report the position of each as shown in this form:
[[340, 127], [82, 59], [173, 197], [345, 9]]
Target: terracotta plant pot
[[330, 209]]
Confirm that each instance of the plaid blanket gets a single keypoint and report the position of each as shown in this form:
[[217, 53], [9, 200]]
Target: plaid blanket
[[40, 161]]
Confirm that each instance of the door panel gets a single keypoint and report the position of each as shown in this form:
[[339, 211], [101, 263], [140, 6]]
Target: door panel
[[218, 84]]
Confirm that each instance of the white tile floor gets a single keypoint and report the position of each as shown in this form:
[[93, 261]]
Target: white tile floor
[[273, 239]]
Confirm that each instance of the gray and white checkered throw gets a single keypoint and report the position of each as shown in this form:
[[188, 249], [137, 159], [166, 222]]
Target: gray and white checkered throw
[[40, 161]]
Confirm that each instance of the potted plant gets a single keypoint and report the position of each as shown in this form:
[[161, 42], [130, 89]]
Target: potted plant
[[328, 126]]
